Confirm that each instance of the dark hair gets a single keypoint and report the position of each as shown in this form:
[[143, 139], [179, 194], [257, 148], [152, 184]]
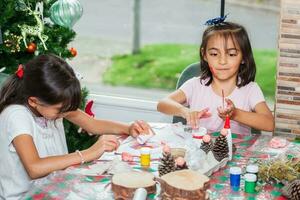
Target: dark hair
[[238, 34], [47, 77]]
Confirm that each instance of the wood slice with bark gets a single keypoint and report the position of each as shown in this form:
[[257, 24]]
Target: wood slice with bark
[[125, 184], [184, 185]]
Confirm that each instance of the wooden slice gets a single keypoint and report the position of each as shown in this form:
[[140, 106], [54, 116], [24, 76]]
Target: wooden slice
[[125, 184], [178, 152], [184, 185]]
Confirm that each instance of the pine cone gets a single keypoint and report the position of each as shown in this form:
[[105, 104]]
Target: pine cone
[[167, 164], [292, 190], [206, 146], [220, 148]]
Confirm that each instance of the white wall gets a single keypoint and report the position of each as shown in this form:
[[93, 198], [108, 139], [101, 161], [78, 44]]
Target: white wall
[[126, 109]]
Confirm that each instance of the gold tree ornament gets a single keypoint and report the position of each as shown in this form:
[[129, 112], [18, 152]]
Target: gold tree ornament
[[36, 30], [12, 41]]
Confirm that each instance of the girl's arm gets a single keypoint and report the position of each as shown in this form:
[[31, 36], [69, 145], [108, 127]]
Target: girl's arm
[[172, 105], [37, 167], [97, 126], [260, 119]]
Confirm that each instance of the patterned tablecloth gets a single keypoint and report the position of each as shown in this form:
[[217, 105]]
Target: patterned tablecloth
[[62, 185]]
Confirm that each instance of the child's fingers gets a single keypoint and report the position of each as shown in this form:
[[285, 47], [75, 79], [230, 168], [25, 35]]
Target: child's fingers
[[188, 119], [230, 113], [114, 142], [221, 110], [229, 103], [206, 115], [194, 120], [137, 127], [112, 145], [141, 124], [202, 112]]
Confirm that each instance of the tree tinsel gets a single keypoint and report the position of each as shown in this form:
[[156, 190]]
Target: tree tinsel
[[279, 170], [12, 15]]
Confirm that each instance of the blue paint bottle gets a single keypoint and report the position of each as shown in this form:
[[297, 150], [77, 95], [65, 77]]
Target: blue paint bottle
[[235, 178]]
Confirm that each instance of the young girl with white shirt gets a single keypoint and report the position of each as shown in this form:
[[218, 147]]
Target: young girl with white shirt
[[33, 102], [227, 69]]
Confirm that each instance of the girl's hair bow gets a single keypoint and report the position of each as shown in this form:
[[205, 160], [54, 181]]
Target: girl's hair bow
[[216, 21], [20, 71]]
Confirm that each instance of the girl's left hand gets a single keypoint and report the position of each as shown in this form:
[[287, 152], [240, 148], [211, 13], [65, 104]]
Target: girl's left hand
[[228, 111], [139, 127]]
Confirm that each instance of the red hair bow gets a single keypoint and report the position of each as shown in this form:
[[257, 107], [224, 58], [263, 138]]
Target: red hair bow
[[20, 71]]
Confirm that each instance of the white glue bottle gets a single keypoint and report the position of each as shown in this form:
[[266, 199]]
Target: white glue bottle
[[229, 136], [140, 194]]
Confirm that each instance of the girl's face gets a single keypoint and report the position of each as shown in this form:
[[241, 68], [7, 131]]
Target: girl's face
[[223, 57], [50, 112]]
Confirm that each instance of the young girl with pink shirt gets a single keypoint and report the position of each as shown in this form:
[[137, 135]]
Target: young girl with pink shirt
[[227, 69]]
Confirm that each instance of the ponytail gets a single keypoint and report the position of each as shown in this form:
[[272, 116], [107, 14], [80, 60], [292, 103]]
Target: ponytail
[[11, 92]]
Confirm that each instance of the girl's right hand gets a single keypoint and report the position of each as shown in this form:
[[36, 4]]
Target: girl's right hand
[[105, 143], [192, 117]]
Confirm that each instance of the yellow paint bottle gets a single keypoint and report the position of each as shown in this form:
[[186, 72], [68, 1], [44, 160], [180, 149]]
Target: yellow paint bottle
[[145, 157]]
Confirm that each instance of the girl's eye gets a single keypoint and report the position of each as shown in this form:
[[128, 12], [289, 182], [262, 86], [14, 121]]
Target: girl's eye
[[213, 54], [232, 53]]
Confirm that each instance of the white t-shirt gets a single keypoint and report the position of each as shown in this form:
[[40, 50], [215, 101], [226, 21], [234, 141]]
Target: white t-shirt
[[49, 139], [199, 96]]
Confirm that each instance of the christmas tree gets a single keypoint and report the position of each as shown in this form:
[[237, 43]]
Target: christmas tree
[[32, 27]]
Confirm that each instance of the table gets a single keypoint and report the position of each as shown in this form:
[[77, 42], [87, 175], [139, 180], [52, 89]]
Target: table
[[63, 185]]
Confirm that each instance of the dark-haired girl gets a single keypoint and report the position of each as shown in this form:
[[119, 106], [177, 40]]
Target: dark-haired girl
[[227, 69], [32, 104]]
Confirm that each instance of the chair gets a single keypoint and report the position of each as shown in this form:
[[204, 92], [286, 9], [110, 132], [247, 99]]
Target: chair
[[3, 77], [189, 72]]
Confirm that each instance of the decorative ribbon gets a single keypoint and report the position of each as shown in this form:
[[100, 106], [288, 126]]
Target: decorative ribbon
[[216, 21], [20, 71]]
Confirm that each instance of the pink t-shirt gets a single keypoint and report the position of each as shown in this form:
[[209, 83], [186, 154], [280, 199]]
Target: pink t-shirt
[[200, 96]]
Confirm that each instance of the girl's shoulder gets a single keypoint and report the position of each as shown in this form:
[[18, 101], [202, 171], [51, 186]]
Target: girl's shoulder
[[197, 81], [250, 86], [15, 109]]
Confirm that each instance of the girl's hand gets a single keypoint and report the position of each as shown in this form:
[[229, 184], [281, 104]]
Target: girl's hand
[[105, 143], [139, 127], [192, 117], [228, 111]]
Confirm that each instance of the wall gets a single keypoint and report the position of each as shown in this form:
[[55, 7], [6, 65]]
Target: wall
[[287, 106]]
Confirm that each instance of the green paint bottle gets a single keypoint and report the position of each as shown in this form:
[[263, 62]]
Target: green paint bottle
[[250, 183]]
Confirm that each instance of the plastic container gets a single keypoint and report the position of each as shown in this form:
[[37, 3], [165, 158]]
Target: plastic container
[[235, 178], [145, 157], [140, 194], [250, 183], [252, 169]]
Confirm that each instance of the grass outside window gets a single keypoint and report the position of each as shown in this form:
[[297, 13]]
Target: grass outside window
[[159, 66]]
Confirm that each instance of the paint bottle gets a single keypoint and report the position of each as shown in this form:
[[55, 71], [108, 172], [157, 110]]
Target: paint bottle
[[250, 183], [145, 157], [252, 169], [235, 178], [140, 194]]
